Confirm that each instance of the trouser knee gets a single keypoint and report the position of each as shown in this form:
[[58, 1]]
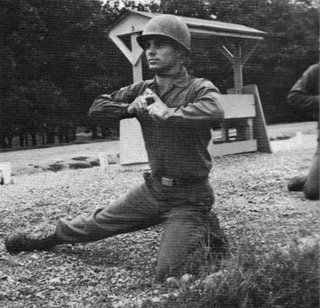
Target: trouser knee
[[176, 268], [192, 248], [162, 272]]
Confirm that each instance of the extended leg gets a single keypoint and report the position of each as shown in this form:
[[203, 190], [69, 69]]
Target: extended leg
[[135, 211]]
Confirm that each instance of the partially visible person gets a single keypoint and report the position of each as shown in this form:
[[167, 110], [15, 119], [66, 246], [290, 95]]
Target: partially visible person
[[304, 96]]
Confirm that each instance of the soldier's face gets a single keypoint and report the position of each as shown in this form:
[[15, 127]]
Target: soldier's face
[[162, 57]]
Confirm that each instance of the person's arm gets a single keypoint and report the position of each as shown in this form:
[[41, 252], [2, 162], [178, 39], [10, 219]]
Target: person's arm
[[204, 109], [115, 106], [302, 95]]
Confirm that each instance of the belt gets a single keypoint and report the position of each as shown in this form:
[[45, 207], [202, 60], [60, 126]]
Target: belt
[[173, 182]]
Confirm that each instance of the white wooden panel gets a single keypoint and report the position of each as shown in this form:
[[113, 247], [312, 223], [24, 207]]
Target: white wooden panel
[[130, 24], [259, 123], [125, 50], [5, 172], [238, 106], [228, 148], [132, 148]]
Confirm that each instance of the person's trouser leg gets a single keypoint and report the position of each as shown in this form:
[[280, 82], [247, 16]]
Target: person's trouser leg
[[311, 186], [183, 231], [189, 224], [135, 211], [184, 212]]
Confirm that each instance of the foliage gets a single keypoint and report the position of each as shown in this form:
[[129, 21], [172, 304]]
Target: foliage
[[289, 47], [286, 277], [54, 59], [195, 8], [62, 46]]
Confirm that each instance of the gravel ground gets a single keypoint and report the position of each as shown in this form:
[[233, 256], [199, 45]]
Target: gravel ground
[[252, 203]]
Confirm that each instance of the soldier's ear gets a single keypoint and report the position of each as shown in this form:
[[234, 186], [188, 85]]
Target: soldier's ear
[[180, 53], [183, 55]]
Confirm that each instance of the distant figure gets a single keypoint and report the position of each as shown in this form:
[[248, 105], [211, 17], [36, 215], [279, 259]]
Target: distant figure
[[304, 95]]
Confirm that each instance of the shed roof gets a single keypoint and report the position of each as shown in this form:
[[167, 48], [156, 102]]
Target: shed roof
[[202, 27]]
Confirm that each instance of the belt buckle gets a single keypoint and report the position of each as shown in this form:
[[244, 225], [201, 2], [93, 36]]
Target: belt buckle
[[167, 182]]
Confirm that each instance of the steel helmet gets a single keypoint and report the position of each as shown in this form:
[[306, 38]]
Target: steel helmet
[[169, 26]]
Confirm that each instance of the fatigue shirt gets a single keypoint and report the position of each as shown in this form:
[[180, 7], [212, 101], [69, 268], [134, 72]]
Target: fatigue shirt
[[177, 146]]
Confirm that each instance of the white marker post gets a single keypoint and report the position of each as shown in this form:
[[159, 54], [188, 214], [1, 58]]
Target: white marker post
[[5, 173]]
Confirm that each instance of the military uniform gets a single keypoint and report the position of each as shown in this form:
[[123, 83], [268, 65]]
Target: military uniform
[[176, 192], [176, 130]]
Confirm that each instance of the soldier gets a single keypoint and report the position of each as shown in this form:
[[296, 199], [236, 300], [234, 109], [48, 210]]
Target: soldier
[[176, 112], [304, 95]]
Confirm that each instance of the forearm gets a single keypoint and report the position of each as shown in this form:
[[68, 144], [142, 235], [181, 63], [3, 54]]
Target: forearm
[[304, 94], [204, 110], [303, 101], [115, 106], [105, 108]]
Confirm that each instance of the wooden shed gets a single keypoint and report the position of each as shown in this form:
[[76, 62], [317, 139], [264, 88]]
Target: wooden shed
[[237, 43]]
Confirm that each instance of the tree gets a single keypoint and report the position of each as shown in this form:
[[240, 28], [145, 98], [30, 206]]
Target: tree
[[56, 53], [193, 8], [60, 46], [289, 47]]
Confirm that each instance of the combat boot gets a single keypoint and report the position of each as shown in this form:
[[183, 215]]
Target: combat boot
[[19, 241], [297, 183]]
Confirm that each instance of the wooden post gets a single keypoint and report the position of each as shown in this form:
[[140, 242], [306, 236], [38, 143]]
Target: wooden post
[[260, 130], [237, 70], [132, 147], [236, 61], [137, 64]]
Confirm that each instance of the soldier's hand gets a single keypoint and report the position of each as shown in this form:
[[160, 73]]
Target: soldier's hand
[[158, 110], [138, 106]]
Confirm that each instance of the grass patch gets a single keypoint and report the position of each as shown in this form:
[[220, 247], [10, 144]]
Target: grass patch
[[285, 277]]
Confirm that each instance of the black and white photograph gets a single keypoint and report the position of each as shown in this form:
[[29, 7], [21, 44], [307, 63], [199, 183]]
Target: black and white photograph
[[159, 154]]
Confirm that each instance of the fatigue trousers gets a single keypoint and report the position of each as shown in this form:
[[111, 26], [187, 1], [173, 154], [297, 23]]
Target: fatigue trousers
[[183, 211]]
